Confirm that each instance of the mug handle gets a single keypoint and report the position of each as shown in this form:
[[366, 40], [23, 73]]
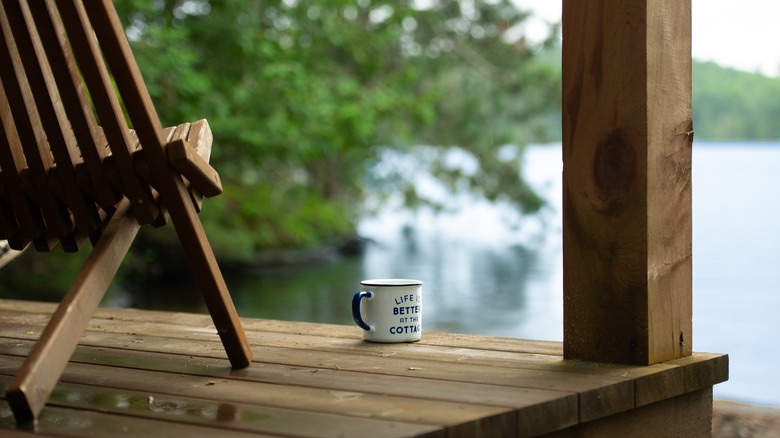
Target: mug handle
[[356, 309]]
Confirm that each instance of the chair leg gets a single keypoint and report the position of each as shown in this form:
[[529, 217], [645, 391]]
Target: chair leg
[[37, 377], [207, 274]]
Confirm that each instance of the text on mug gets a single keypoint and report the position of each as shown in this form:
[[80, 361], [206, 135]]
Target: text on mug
[[406, 310], [407, 299], [401, 329]]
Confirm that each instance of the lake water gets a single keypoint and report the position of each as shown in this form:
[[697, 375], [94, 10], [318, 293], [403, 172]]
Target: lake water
[[487, 271], [736, 268]]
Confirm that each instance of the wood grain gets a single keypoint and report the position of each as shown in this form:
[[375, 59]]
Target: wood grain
[[461, 385], [259, 396], [188, 227], [36, 379], [191, 166], [75, 101], [686, 416], [101, 89], [54, 120], [29, 220], [56, 158], [30, 130], [58, 421], [626, 196]]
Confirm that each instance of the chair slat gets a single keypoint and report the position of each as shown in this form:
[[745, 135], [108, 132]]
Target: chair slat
[[28, 215], [29, 126], [55, 159], [175, 139], [75, 101], [52, 114], [199, 173], [171, 186], [200, 138], [129, 81], [188, 147], [96, 76]]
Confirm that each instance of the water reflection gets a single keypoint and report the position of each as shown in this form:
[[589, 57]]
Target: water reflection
[[315, 294], [468, 287], [485, 270]]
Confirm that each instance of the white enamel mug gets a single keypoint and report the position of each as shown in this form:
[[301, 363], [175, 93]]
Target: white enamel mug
[[389, 309]]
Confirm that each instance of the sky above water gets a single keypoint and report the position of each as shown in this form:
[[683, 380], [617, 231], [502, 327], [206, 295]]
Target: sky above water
[[742, 35]]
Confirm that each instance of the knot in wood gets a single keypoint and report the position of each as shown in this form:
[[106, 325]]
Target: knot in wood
[[614, 167]]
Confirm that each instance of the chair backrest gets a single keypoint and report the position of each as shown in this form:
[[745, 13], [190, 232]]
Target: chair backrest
[[67, 152], [71, 165]]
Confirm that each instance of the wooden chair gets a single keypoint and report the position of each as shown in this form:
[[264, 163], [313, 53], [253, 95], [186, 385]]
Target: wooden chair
[[73, 169]]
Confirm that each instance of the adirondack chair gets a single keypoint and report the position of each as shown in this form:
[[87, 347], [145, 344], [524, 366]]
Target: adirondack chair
[[73, 169]]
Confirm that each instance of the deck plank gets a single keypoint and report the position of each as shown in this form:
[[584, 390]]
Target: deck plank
[[196, 320], [652, 383], [323, 378], [257, 393], [608, 394], [427, 349], [425, 395], [446, 384], [59, 421], [234, 414]]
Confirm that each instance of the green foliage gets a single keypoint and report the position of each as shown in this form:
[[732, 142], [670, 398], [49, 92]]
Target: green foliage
[[492, 88], [298, 94], [40, 276], [305, 97], [729, 104]]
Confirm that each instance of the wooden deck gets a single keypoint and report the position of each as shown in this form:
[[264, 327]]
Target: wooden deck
[[143, 373]]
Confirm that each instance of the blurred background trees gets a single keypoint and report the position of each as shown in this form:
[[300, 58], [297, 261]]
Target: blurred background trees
[[306, 98], [729, 104], [301, 96]]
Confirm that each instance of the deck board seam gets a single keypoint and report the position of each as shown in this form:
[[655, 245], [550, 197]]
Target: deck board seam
[[427, 364], [516, 386], [337, 329], [115, 411], [70, 381], [238, 378]]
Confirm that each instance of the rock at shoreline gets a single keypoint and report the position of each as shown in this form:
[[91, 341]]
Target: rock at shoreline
[[732, 419]]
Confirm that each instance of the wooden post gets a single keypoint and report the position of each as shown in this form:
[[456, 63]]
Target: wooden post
[[627, 136]]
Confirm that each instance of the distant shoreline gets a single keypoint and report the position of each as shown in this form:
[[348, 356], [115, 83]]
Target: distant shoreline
[[771, 143]]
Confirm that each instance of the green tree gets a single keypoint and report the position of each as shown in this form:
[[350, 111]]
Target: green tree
[[294, 94], [734, 105], [299, 94], [304, 96], [493, 88]]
